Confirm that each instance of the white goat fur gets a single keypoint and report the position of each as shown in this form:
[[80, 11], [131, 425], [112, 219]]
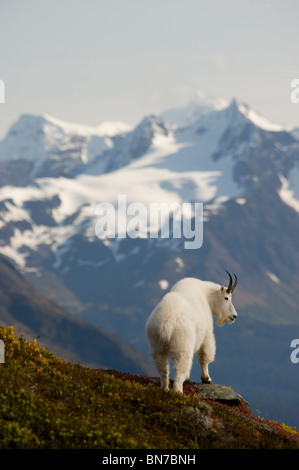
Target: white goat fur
[[182, 325]]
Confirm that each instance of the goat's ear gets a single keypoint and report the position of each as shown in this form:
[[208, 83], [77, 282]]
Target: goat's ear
[[222, 289]]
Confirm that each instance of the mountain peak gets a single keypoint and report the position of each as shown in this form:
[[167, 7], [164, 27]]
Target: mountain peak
[[153, 122], [51, 146], [199, 106], [203, 100], [26, 122], [202, 105]]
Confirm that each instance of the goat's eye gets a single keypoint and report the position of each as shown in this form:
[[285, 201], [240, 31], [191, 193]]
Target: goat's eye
[[226, 298]]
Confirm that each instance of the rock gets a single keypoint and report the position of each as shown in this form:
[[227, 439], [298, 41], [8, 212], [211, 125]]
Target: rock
[[221, 393], [203, 421]]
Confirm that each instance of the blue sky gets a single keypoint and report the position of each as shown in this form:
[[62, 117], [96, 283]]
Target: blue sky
[[90, 61]]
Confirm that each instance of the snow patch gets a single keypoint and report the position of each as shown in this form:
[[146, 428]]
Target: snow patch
[[163, 284], [289, 191], [241, 200], [112, 128], [258, 119], [105, 128], [180, 264], [273, 277]]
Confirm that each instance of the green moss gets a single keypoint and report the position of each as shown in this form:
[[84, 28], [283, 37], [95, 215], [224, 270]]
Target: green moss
[[46, 402]]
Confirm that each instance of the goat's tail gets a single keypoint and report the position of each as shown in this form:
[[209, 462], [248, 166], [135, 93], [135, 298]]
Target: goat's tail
[[165, 331]]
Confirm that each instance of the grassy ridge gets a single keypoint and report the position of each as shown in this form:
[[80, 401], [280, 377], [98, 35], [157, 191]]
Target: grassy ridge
[[46, 402]]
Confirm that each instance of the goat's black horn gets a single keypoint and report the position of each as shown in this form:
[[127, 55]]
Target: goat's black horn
[[229, 287], [235, 283]]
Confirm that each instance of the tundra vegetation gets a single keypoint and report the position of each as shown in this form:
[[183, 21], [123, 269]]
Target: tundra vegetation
[[46, 402]]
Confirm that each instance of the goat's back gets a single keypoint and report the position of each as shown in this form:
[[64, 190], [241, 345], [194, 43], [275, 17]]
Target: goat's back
[[183, 314]]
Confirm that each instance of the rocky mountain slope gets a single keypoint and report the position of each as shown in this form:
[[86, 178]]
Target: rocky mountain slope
[[37, 317], [47, 403]]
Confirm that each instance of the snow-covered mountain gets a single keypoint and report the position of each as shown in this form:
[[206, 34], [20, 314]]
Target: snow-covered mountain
[[42, 146], [216, 158], [243, 169]]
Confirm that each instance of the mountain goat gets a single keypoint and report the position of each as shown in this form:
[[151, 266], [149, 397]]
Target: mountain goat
[[182, 325]]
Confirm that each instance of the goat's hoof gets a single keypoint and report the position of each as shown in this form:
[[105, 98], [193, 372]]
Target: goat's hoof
[[206, 381]]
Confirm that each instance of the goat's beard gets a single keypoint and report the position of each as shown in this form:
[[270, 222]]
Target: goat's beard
[[220, 322]]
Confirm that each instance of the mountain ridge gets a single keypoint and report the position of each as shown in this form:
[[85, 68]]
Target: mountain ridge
[[23, 307]]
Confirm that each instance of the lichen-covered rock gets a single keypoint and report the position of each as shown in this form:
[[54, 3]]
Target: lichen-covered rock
[[220, 393]]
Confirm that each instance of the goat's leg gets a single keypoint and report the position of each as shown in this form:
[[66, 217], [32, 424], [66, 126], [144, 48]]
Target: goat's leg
[[182, 363], [206, 354], [162, 365]]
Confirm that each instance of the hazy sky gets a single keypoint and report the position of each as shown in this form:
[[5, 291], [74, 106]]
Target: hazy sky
[[95, 60]]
